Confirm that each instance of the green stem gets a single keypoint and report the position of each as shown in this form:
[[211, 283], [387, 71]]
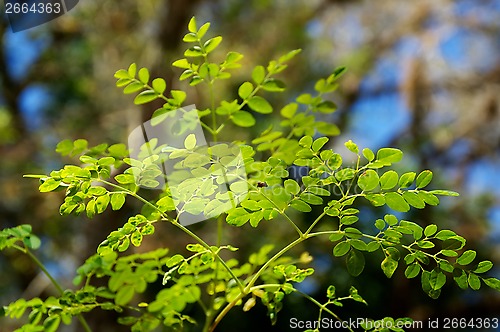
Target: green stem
[[282, 212], [314, 223], [56, 284], [214, 116], [224, 312], [42, 267], [323, 307], [181, 227], [252, 281], [271, 260], [211, 312]]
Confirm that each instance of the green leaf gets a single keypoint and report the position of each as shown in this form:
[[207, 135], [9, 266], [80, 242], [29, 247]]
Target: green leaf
[[332, 212], [380, 224], [166, 203], [437, 279], [49, 185], [445, 234], [449, 253], [300, 205], [124, 245], [51, 323], [237, 217], [348, 220], [430, 230], [391, 219], [376, 199], [318, 191], [461, 280], [388, 180], [454, 243], [212, 43], [444, 192], [122, 74], [195, 247], [32, 242], [412, 270], [144, 75], [413, 199], [407, 179], [493, 283], [353, 233], [358, 244], [136, 238], [181, 63], [273, 85], [179, 96], [291, 187], [305, 99], [190, 142], [467, 257], [368, 154], [306, 141], [389, 155], [336, 236], [192, 25], [355, 262], [396, 202], [368, 180], [117, 201], [388, 266], [289, 110], [243, 119], [319, 143], [245, 90], [345, 174], [428, 198], [203, 30], [132, 70], [91, 208], [330, 292], [326, 128], [290, 55], [102, 203], [326, 107], [423, 179], [269, 137], [335, 161], [351, 146], [79, 146], [64, 147], [260, 105], [174, 260], [341, 248], [122, 82], [474, 281], [145, 97], [337, 73], [258, 74], [159, 85], [446, 266], [124, 178], [124, 295], [233, 57], [106, 161], [483, 267]]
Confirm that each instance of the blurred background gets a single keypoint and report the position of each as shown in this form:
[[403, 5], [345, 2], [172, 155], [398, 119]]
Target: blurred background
[[423, 76]]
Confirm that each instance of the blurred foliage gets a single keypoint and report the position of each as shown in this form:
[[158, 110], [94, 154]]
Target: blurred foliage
[[437, 61]]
